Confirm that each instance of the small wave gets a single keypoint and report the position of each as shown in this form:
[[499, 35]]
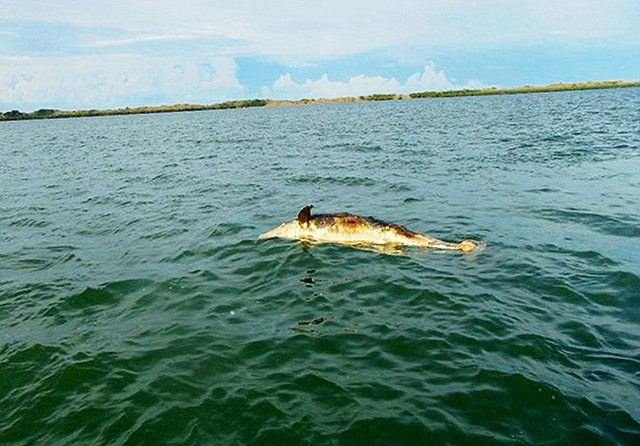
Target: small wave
[[358, 148], [39, 259], [343, 181], [28, 222], [400, 187], [580, 333], [184, 254], [161, 178], [223, 229], [103, 296], [588, 257], [556, 138], [544, 190], [164, 234]]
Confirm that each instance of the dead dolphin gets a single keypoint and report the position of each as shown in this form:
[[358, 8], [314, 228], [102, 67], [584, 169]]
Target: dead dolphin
[[349, 229]]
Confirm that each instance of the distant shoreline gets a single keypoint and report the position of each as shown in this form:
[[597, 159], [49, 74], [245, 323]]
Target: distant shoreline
[[16, 115]]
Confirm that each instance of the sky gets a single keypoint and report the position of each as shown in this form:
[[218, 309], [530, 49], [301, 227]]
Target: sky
[[78, 54]]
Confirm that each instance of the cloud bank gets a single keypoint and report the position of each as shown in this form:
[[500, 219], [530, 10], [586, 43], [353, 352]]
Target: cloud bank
[[430, 79], [115, 81]]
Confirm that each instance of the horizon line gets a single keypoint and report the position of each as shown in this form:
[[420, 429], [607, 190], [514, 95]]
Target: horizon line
[[45, 113]]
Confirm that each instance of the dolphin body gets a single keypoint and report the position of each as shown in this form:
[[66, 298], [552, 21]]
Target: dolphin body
[[349, 229]]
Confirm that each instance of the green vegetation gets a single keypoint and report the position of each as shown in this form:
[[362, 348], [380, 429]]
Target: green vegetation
[[381, 97], [50, 114], [526, 89], [15, 115]]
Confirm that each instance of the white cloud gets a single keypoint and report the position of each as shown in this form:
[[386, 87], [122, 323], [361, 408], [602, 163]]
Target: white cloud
[[286, 87], [429, 80], [114, 81]]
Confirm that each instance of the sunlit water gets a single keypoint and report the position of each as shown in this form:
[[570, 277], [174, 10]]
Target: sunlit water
[[138, 307]]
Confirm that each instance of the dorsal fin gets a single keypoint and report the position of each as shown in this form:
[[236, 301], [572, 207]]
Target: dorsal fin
[[305, 215]]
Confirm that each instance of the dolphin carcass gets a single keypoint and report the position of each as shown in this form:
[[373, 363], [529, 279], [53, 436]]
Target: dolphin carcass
[[349, 229]]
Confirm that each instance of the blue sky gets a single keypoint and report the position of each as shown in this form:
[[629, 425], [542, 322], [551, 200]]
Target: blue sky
[[72, 54]]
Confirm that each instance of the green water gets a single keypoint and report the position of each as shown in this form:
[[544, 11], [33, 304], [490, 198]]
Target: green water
[[137, 306]]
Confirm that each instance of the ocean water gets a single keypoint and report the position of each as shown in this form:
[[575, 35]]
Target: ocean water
[[137, 306]]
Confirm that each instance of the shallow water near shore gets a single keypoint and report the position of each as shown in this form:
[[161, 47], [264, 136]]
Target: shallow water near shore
[[137, 306]]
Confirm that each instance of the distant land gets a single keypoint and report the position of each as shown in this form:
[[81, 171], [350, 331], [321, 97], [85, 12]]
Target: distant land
[[45, 113]]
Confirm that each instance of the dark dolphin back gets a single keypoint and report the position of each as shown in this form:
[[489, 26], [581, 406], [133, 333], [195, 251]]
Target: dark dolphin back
[[350, 220], [329, 219]]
